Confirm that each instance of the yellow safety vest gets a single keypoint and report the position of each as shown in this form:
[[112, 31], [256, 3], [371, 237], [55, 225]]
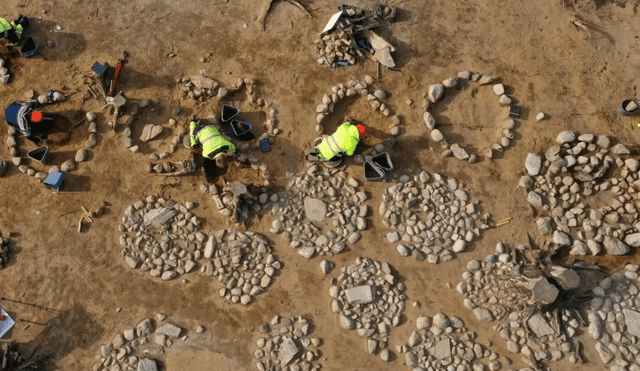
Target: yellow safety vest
[[6, 26], [344, 140], [211, 140]]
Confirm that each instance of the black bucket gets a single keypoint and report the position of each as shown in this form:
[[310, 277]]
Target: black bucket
[[622, 109], [229, 112], [383, 161], [30, 47], [40, 154], [372, 172], [240, 128]]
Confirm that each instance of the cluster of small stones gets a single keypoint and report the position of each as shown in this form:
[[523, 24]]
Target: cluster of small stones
[[226, 203], [353, 88], [241, 261], [560, 182], [433, 217], [368, 298], [336, 47], [437, 91], [130, 350], [149, 132], [443, 343], [314, 200], [287, 346], [5, 76], [496, 291], [5, 249], [614, 319]]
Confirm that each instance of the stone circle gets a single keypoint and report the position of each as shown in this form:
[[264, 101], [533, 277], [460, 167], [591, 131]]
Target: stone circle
[[443, 343], [368, 297], [432, 217], [559, 183], [437, 91], [286, 344], [312, 204], [163, 237]]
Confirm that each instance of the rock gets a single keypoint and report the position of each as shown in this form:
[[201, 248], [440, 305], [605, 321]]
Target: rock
[[632, 239], [533, 164], [169, 275], [620, 149], [483, 315], [498, 89], [459, 152], [441, 321], [545, 226], [435, 92], [92, 141], [326, 266], [450, 82], [385, 355], [146, 364], [566, 137], [534, 199], [436, 135], [380, 94], [68, 166], [91, 116], [209, 247], [170, 330], [81, 155], [459, 246], [632, 164], [539, 325], [393, 237], [486, 80], [603, 141], [442, 349], [361, 294], [544, 291], [372, 346], [594, 247], [604, 352], [429, 121], [561, 238], [307, 252], [540, 116], [354, 237], [595, 325], [149, 132], [632, 319], [504, 100], [58, 97], [93, 127], [155, 218], [315, 209], [346, 322], [132, 261], [16, 161], [614, 246]]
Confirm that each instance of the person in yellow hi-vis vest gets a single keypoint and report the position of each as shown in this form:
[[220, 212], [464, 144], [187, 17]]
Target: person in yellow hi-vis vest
[[214, 146], [331, 149], [13, 31]]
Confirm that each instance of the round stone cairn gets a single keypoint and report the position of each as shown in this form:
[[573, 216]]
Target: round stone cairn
[[614, 318], [445, 343], [163, 237], [559, 182], [367, 297], [432, 217], [376, 100], [129, 350], [496, 290], [312, 203], [287, 344], [435, 94]]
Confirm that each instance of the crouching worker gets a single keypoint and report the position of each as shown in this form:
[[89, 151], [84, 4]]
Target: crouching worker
[[12, 31], [330, 150], [213, 144], [31, 123]]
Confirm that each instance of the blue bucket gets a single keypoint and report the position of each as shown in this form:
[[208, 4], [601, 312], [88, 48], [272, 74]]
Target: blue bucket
[[54, 181]]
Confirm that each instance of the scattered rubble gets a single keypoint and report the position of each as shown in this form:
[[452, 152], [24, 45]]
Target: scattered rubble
[[287, 344], [368, 298], [437, 91], [238, 200], [168, 243], [312, 203], [441, 343], [559, 184], [432, 217]]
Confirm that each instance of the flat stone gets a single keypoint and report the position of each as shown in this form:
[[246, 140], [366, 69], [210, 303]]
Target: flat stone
[[315, 209], [544, 291], [632, 319], [361, 294], [307, 252], [567, 278], [459, 152], [380, 94], [385, 355], [450, 82], [442, 349], [155, 218], [170, 330], [504, 100], [533, 163], [209, 247], [595, 325], [620, 149], [561, 238], [566, 137], [498, 89], [540, 326], [326, 266], [603, 141], [483, 314], [168, 275], [354, 237], [149, 132], [132, 261], [614, 246], [146, 364], [202, 82], [604, 352], [486, 80]]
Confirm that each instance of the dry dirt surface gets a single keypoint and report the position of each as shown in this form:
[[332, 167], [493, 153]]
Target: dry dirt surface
[[63, 287]]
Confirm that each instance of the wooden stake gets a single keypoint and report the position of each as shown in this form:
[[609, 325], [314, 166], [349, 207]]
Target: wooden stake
[[80, 225]]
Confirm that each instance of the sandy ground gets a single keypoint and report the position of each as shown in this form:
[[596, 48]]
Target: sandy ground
[[64, 287]]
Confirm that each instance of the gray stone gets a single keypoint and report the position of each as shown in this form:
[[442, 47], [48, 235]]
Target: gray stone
[[429, 121], [346, 322], [594, 247], [566, 137], [326, 266], [604, 352], [209, 247], [567, 278], [533, 163], [561, 238], [81, 155], [632, 239], [498, 89], [632, 164], [315, 209], [149, 132], [91, 116], [603, 141], [169, 275], [539, 326], [620, 149], [58, 97], [435, 92], [595, 325], [486, 80], [442, 349], [361, 294], [412, 359], [436, 135], [614, 246], [459, 245], [483, 314], [170, 330], [354, 237], [393, 237], [380, 94], [441, 321], [68, 166], [459, 152], [307, 252], [132, 261], [632, 319], [372, 346], [544, 291], [385, 355], [545, 226], [423, 322], [146, 364], [534, 199], [155, 218]]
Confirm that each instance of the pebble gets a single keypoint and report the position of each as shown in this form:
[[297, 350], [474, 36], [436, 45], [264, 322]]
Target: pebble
[[81, 155]]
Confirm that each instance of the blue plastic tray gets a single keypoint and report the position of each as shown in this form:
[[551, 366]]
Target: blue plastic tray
[[54, 181], [264, 145], [7, 323]]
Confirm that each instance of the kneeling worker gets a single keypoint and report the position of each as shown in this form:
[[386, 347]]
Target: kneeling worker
[[24, 117], [331, 149], [12, 31], [214, 146]]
